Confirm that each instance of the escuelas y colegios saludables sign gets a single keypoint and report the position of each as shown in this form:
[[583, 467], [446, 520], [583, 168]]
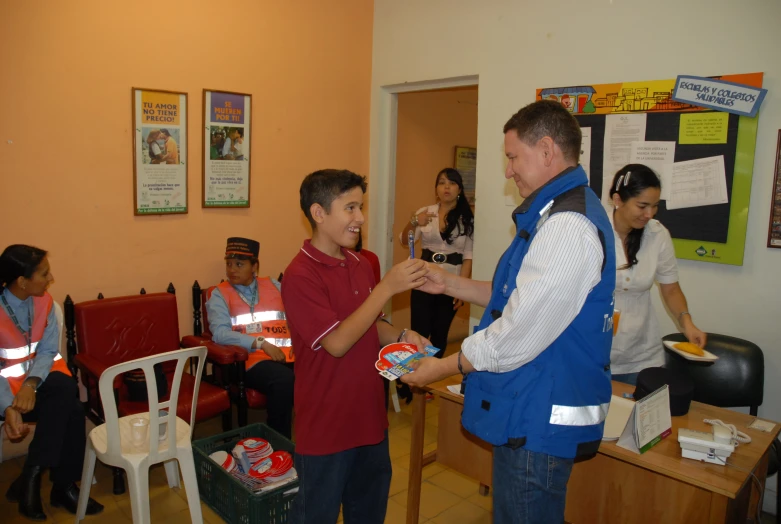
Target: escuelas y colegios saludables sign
[[721, 95]]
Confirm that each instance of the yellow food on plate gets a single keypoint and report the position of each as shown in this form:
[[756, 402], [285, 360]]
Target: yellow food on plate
[[688, 347]]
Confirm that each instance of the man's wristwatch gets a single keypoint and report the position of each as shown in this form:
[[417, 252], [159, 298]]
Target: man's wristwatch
[[401, 336], [259, 341]]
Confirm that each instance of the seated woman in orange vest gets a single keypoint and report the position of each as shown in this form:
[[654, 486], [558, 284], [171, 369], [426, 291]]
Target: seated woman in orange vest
[[247, 311], [36, 385]]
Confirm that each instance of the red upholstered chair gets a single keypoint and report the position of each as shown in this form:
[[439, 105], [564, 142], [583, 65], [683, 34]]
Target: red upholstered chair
[[115, 330], [231, 373]]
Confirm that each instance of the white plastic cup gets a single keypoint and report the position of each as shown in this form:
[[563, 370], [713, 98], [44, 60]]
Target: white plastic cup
[[139, 431]]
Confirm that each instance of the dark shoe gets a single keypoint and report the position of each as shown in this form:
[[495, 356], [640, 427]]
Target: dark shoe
[[68, 498], [28, 493]]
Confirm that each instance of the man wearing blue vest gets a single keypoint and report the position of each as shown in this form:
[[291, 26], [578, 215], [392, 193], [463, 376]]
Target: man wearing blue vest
[[537, 370]]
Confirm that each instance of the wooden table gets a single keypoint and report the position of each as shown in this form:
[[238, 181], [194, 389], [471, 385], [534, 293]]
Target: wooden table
[[617, 486]]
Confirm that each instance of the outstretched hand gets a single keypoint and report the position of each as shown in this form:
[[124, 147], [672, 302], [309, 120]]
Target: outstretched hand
[[406, 275], [413, 337], [426, 371], [434, 283]]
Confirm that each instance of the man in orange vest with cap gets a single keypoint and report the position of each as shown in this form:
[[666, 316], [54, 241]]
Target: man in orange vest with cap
[[247, 311]]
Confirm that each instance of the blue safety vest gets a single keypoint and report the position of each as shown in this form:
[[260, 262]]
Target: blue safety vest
[[557, 403]]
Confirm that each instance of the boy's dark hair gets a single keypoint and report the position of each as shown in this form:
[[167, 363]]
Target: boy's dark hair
[[324, 186], [548, 118]]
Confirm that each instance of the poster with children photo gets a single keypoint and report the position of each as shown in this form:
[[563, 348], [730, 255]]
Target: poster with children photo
[[159, 152], [226, 153]]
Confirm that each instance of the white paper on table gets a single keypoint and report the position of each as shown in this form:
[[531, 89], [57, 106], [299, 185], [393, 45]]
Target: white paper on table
[[700, 182], [585, 151], [620, 132], [655, 155], [455, 389]]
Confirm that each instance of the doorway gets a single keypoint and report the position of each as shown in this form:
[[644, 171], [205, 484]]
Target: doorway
[[430, 125]]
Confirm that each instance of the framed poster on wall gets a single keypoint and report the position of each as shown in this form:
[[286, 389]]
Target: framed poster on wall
[[774, 229], [226, 149], [466, 163], [159, 152]]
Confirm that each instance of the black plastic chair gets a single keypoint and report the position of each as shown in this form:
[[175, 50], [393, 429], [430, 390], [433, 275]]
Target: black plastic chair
[[736, 379]]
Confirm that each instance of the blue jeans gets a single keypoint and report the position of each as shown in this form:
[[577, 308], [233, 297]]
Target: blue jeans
[[357, 479], [529, 487], [626, 378]]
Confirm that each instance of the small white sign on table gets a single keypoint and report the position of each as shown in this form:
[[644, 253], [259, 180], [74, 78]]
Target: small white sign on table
[[649, 422]]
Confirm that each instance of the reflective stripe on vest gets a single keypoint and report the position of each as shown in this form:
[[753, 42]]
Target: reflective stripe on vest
[[259, 316], [18, 370], [578, 415], [270, 322], [18, 353]]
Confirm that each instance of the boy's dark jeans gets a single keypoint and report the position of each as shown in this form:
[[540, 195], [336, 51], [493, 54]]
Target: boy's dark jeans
[[357, 478]]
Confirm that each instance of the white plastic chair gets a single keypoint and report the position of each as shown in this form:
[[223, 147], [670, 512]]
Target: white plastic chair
[[111, 442]]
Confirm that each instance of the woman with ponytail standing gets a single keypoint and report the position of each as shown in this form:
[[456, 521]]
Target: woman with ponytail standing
[[36, 386], [644, 254]]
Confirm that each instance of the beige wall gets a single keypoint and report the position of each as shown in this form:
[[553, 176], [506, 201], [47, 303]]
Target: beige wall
[[66, 152], [515, 47], [430, 125]]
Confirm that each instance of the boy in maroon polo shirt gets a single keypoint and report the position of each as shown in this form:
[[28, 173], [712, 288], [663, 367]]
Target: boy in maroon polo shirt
[[333, 305]]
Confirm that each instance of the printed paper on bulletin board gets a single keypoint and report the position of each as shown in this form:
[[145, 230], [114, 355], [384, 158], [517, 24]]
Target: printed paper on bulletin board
[[714, 233]]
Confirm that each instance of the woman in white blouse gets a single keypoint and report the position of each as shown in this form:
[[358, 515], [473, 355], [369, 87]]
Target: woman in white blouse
[[644, 254], [445, 230]]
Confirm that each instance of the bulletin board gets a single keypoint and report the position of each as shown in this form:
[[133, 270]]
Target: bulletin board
[[708, 233]]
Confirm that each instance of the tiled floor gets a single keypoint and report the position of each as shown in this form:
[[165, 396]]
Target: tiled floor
[[446, 496]]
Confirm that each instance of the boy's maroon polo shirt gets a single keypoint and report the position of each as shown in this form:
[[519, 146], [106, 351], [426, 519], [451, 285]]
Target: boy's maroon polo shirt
[[339, 402]]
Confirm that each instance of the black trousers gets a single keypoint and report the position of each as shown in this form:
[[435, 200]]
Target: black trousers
[[275, 380], [60, 433], [431, 317]]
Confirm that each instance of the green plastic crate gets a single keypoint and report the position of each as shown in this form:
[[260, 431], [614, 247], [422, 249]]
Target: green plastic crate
[[228, 497]]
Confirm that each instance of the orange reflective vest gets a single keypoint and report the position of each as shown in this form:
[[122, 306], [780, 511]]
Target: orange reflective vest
[[15, 354], [268, 319]]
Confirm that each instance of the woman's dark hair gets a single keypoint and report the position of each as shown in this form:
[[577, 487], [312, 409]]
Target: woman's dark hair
[[461, 216], [17, 261], [629, 182]]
